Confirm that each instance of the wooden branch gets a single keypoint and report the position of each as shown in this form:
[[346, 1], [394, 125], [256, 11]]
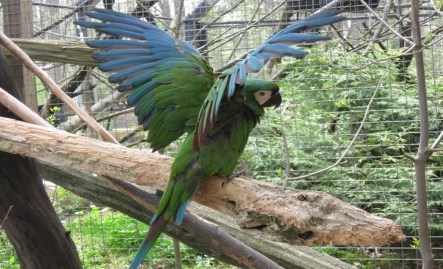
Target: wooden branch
[[59, 51], [102, 105], [100, 192], [281, 214], [19, 109]]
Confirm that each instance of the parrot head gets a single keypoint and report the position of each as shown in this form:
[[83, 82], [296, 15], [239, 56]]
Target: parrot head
[[260, 93]]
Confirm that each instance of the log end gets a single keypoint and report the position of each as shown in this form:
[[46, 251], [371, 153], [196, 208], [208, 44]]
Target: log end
[[298, 216]]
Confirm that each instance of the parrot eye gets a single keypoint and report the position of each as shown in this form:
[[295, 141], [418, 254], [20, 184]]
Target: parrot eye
[[262, 96]]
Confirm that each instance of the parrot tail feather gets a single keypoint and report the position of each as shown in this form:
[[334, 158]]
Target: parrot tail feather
[[154, 232]]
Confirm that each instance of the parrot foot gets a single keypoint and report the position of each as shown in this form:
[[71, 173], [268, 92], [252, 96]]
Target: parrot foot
[[159, 193], [231, 177]]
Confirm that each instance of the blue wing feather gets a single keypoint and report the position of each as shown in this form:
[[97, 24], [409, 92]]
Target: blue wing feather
[[280, 50], [141, 92], [118, 17], [129, 72], [119, 54], [135, 80], [116, 44], [297, 38], [127, 62], [254, 64]]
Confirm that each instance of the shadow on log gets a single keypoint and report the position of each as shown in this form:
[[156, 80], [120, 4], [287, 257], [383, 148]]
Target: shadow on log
[[281, 214]]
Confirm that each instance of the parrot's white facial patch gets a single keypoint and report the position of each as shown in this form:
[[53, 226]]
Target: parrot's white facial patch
[[262, 96]]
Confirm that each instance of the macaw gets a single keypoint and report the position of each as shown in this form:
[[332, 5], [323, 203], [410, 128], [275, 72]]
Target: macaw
[[175, 91]]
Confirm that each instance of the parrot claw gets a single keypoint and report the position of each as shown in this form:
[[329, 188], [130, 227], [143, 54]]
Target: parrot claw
[[159, 193], [231, 177]]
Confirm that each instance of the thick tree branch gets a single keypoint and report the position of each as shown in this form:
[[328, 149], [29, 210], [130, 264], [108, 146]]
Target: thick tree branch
[[87, 186], [281, 214]]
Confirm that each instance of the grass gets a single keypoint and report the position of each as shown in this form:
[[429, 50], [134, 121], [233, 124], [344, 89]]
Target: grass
[[106, 238]]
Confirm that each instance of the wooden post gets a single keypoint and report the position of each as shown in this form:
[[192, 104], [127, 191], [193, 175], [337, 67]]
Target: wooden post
[[18, 22]]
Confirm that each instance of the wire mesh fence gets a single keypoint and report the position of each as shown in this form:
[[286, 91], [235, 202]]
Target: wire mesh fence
[[349, 117]]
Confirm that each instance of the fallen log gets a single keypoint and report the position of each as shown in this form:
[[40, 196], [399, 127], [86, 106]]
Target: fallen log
[[100, 192], [272, 212]]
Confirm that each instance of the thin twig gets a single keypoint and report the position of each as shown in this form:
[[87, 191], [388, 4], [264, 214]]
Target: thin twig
[[68, 87], [217, 18], [15, 50], [423, 151], [362, 123], [287, 158], [107, 117], [240, 39], [385, 23], [343, 38], [436, 142], [131, 134], [6, 216], [178, 19], [377, 32], [64, 18], [435, 7], [234, 35]]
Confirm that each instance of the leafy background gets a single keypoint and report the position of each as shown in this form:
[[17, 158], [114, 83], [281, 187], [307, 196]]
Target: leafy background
[[325, 99]]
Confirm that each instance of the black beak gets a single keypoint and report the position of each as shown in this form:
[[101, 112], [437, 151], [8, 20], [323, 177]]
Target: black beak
[[275, 100]]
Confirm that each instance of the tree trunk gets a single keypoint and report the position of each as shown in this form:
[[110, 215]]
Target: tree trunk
[[26, 213]]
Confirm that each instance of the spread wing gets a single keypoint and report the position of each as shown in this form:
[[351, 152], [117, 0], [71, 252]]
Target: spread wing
[[167, 79], [278, 46]]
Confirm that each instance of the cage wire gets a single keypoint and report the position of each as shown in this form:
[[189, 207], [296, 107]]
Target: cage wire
[[326, 96]]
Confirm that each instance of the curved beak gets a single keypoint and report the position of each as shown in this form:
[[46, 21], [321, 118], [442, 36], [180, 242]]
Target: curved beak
[[275, 100]]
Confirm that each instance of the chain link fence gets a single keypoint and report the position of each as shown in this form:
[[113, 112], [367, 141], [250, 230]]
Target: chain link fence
[[350, 114]]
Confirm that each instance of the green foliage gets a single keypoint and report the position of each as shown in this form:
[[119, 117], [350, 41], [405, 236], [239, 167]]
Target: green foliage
[[42, 91], [8, 258], [415, 243], [52, 118], [359, 260]]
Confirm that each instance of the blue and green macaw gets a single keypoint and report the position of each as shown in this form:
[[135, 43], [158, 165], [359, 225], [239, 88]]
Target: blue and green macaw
[[175, 91]]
